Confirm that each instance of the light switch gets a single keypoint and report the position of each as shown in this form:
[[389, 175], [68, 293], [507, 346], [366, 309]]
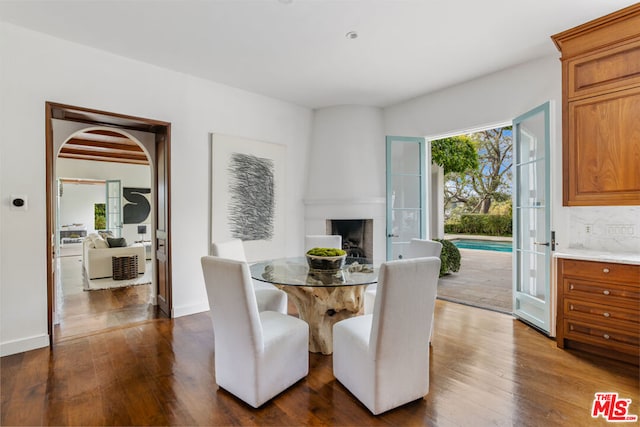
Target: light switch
[[19, 203]]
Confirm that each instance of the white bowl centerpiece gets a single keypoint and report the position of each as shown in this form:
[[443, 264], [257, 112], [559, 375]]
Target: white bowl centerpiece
[[331, 259]]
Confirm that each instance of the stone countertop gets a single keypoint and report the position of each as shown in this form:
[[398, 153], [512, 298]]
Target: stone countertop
[[602, 256]]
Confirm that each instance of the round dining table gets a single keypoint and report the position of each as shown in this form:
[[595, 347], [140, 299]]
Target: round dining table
[[322, 297]]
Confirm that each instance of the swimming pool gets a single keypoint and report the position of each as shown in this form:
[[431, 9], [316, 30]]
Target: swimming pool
[[486, 245]]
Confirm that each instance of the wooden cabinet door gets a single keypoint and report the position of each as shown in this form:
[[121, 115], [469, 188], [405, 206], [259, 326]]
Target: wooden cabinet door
[[602, 154], [604, 71]]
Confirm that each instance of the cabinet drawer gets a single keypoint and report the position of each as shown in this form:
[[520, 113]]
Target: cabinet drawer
[[601, 292], [609, 272], [624, 318], [625, 341]]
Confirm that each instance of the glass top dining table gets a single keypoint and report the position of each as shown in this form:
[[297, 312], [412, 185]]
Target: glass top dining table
[[321, 297], [296, 272]]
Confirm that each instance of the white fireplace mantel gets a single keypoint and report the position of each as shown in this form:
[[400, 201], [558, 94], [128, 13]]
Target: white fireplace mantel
[[318, 211], [346, 201]]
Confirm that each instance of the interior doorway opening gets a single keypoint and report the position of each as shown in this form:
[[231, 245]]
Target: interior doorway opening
[[59, 117], [86, 303]]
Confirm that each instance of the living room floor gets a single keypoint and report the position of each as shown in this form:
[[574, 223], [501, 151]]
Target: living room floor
[[83, 312]]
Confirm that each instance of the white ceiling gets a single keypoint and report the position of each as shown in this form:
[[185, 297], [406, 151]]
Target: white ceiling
[[296, 50]]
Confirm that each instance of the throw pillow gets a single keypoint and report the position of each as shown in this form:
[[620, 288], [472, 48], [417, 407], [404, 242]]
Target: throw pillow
[[100, 243], [116, 242], [105, 234]]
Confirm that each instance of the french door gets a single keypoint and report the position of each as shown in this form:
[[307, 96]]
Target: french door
[[406, 192], [114, 207], [532, 235]]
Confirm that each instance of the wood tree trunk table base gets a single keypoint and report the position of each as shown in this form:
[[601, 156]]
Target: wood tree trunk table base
[[321, 307]]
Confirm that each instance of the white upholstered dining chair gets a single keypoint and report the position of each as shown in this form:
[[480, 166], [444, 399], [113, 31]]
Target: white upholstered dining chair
[[322, 241], [257, 354], [383, 358], [417, 248], [268, 296]]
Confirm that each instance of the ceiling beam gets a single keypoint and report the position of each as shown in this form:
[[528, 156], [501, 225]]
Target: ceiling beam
[[103, 146], [102, 158]]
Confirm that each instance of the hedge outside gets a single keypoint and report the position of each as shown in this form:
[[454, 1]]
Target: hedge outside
[[491, 225], [449, 257]]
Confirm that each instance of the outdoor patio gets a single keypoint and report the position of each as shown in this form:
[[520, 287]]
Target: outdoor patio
[[484, 280]]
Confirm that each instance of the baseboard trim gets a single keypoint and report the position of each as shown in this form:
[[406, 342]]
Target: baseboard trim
[[25, 344], [187, 310]]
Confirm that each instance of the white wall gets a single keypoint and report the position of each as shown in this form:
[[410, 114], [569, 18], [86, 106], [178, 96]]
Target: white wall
[[36, 68], [347, 153], [498, 98], [346, 170], [77, 204]]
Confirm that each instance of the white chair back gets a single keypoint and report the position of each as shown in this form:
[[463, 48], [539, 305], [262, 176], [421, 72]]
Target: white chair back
[[257, 355], [419, 248], [268, 296], [235, 315], [232, 249], [405, 301], [383, 358], [322, 241]]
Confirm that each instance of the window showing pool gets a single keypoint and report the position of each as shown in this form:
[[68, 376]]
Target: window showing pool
[[486, 245]]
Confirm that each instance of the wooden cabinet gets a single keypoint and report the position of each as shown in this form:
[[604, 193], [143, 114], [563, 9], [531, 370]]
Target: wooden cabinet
[[599, 308], [600, 110]]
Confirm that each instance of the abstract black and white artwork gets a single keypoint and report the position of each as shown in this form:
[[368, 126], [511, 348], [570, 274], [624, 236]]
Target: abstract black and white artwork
[[247, 194], [252, 197], [136, 208]]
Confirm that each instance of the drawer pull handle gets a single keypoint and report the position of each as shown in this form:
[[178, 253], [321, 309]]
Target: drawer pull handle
[[606, 292], [571, 287], [571, 307], [606, 336], [605, 270], [606, 314]]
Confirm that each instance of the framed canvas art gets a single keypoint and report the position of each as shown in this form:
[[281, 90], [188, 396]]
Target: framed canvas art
[[248, 189], [137, 205]]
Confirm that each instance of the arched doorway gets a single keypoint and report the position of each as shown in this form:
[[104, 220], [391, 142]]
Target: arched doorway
[[89, 162], [58, 116]]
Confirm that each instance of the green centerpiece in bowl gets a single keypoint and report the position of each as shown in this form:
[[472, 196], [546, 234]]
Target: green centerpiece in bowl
[[328, 259]]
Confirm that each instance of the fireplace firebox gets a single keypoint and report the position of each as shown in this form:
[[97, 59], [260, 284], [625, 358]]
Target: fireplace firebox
[[357, 236]]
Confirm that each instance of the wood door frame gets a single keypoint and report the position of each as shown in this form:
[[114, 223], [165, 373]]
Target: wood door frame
[[91, 117]]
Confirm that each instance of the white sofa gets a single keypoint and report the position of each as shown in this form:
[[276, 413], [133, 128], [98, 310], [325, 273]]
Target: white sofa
[[96, 256]]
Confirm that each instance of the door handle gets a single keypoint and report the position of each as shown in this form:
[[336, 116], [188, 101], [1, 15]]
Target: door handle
[[392, 235], [542, 244]]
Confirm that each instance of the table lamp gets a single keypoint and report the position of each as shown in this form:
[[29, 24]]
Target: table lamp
[[142, 231]]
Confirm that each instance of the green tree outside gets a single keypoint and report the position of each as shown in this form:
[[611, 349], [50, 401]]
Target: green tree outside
[[100, 216], [478, 173]]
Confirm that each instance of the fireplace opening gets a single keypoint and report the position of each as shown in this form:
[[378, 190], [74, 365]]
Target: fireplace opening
[[357, 236]]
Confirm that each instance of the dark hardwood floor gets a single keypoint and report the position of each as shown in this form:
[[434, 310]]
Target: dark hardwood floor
[[82, 313], [486, 369]]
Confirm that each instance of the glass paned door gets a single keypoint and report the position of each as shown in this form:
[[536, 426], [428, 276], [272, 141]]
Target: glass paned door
[[114, 207], [531, 216], [406, 193]]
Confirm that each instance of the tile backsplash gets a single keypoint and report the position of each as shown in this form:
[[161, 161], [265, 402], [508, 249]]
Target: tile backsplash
[[605, 228]]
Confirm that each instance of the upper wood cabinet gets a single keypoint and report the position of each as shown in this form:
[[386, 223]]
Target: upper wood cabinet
[[601, 110]]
